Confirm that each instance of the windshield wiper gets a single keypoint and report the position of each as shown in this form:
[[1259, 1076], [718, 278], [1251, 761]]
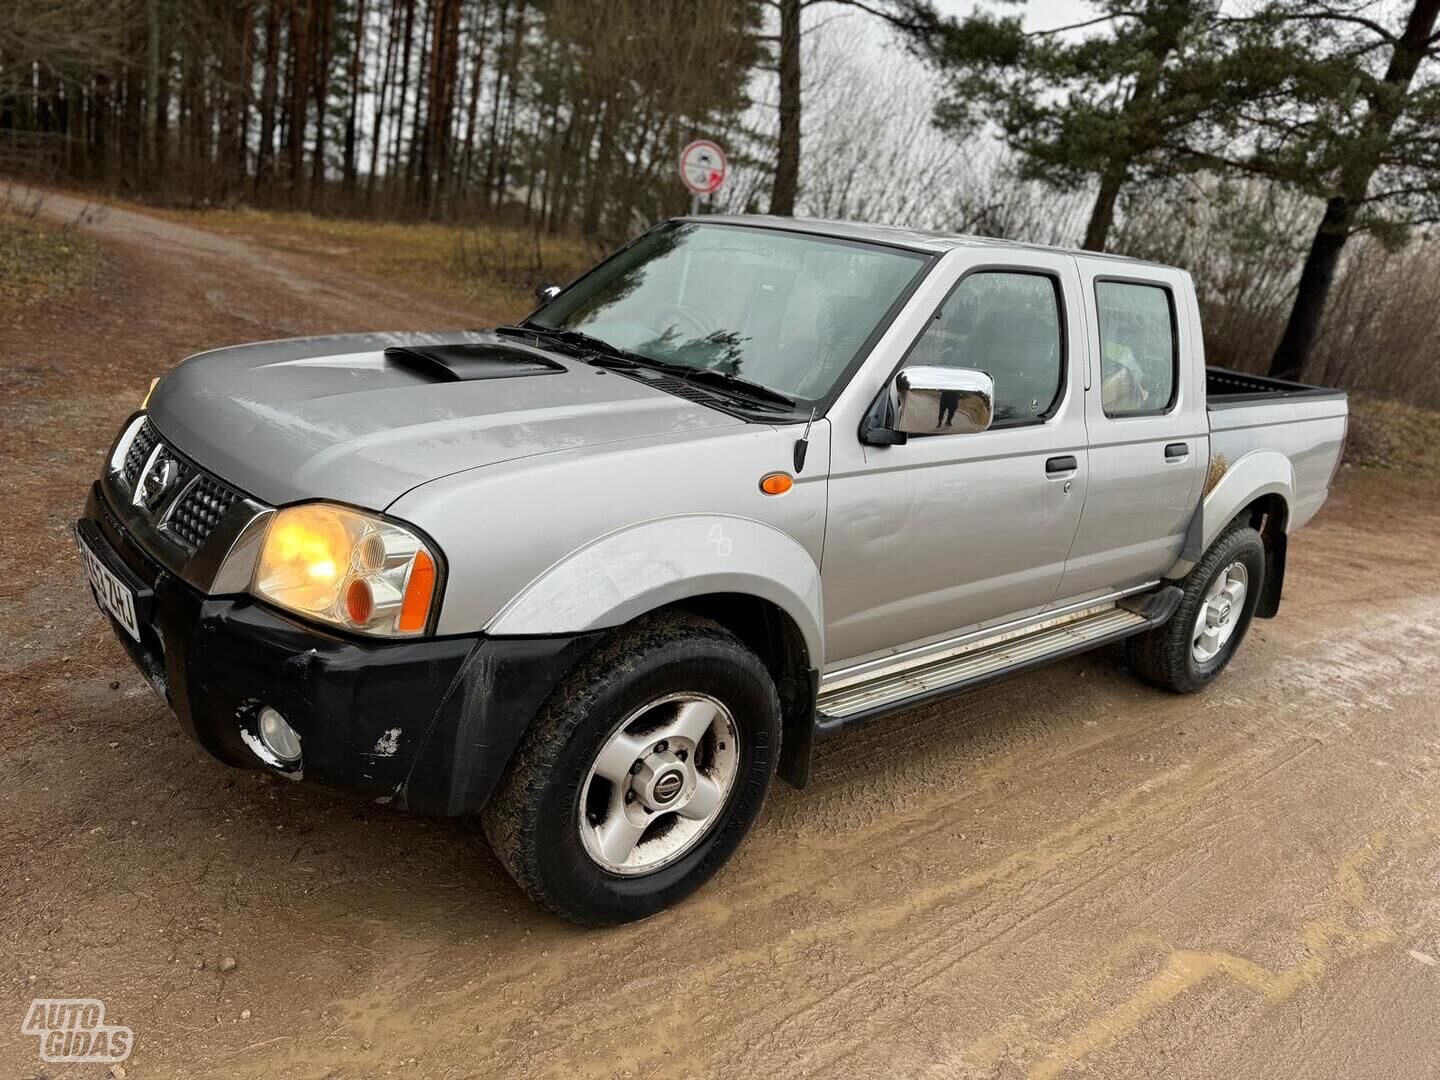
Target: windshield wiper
[[578, 338], [605, 354]]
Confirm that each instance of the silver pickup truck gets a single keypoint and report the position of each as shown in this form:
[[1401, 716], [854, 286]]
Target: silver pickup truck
[[601, 575]]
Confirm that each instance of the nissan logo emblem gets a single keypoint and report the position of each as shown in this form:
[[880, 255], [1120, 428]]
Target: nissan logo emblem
[[668, 786], [157, 482]]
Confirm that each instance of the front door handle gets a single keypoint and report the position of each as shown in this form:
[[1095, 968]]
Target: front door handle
[[1061, 466], [1177, 451]]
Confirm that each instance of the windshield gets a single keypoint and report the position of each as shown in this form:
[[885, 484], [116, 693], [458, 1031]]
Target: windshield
[[783, 310]]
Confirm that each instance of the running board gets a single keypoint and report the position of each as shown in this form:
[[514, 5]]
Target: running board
[[847, 701]]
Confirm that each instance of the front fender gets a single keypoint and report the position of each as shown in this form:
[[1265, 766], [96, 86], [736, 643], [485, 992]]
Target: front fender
[[626, 573], [1258, 473]]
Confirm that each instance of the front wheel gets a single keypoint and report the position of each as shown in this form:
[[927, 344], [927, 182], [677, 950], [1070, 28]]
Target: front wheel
[[641, 774], [1219, 601]]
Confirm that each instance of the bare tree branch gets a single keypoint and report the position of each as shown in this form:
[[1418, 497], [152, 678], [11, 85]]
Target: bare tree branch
[[897, 21], [1387, 35], [1110, 17]]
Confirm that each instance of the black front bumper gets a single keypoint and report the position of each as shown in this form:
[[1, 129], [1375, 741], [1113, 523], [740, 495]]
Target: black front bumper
[[424, 725]]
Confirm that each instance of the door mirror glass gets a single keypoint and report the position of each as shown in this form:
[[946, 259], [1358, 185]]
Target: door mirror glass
[[546, 293], [942, 400]]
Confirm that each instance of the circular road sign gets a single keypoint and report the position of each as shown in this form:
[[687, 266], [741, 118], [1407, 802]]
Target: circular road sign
[[702, 167]]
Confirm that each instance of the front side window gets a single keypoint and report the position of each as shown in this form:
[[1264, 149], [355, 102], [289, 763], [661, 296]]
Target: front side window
[[785, 310], [1137, 348], [1006, 324]]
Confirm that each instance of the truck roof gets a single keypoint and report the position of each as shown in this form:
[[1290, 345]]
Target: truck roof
[[899, 236]]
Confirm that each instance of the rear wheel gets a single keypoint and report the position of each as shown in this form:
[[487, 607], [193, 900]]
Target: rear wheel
[[642, 773], [1221, 593]]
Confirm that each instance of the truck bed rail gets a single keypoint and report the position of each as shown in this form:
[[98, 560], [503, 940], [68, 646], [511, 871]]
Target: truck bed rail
[[1224, 387]]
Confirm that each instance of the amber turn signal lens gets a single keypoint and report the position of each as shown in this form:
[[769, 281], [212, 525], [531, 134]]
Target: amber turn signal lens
[[418, 591], [359, 602], [777, 483]]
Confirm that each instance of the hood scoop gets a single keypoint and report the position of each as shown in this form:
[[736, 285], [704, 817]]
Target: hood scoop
[[470, 362]]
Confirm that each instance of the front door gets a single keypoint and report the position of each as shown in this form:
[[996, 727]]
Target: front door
[[950, 532]]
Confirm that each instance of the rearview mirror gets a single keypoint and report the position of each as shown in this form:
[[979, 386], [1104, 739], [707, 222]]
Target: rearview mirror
[[942, 400], [546, 293]]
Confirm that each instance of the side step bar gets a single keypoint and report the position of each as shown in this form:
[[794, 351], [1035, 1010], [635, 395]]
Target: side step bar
[[848, 701]]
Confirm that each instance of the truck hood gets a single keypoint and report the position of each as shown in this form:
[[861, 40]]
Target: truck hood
[[333, 418]]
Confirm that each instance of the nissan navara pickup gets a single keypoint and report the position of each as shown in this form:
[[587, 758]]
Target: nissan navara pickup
[[600, 575]]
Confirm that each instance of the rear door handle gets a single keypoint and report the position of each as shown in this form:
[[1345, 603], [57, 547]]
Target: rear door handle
[[1060, 466], [1177, 451]]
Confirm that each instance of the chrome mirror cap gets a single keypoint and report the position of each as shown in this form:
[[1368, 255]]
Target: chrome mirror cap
[[942, 400], [546, 293]]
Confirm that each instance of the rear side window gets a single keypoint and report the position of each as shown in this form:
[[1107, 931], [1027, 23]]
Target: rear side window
[[1137, 348], [1006, 324]]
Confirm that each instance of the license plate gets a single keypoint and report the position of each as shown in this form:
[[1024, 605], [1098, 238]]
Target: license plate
[[113, 595]]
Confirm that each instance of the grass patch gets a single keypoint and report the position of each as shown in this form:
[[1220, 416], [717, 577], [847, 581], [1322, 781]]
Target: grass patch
[[40, 260], [493, 268], [1393, 435]]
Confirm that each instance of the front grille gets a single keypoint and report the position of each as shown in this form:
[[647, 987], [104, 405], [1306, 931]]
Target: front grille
[[201, 505], [183, 518], [199, 511], [140, 447]]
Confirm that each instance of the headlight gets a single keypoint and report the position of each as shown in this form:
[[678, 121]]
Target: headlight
[[347, 568]]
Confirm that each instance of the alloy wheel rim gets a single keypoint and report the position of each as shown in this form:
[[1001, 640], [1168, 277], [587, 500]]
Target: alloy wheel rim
[[659, 783], [1219, 613]]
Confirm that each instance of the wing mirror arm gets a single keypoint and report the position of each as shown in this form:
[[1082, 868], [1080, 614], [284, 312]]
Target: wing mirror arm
[[874, 433]]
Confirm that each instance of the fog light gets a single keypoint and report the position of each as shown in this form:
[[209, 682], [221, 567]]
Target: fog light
[[279, 737]]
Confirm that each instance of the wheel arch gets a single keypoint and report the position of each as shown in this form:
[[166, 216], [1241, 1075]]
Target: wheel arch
[[774, 636], [1258, 489], [641, 568], [1262, 478], [750, 577]]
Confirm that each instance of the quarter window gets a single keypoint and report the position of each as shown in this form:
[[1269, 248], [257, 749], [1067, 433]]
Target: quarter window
[[1006, 324], [1137, 348]]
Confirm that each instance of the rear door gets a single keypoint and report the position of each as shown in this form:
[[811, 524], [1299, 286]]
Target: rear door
[[1145, 411]]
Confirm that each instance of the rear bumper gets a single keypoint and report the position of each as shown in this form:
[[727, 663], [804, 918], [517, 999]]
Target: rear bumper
[[423, 725]]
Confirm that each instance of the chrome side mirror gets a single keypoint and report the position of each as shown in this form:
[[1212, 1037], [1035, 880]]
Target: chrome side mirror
[[942, 400], [546, 293]]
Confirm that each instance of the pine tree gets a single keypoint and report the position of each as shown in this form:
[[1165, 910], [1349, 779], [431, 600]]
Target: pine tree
[[1360, 129], [1113, 100]]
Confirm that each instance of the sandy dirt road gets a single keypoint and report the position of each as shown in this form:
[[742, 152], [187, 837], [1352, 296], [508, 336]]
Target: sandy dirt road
[[1068, 873]]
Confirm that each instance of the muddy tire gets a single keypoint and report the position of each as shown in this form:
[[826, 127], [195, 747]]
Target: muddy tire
[[641, 774], [1221, 593]]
